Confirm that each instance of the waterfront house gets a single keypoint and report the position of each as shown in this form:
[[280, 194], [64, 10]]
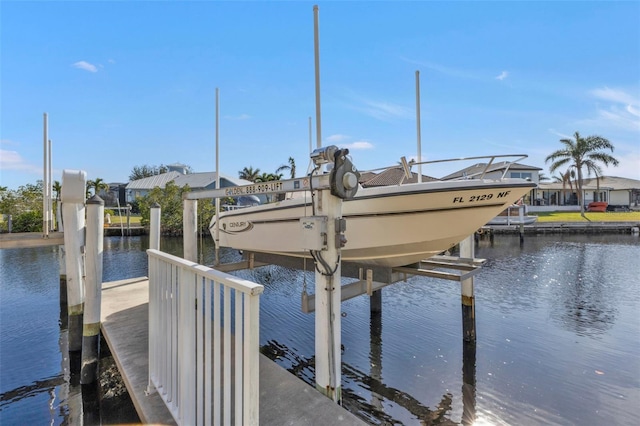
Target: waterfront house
[[516, 170], [196, 182], [619, 193]]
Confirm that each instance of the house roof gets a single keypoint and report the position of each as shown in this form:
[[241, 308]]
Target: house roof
[[393, 176], [153, 181], [614, 182], [194, 180], [478, 168], [606, 182]]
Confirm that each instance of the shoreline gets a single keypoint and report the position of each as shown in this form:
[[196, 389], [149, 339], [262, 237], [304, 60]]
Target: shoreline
[[565, 228]]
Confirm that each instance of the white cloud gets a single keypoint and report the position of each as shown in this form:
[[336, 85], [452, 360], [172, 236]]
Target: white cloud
[[502, 76], [85, 66], [633, 111], [238, 117], [452, 72], [360, 145], [12, 160], [384, 110], [620, 110], [616, 96], [337, 138]]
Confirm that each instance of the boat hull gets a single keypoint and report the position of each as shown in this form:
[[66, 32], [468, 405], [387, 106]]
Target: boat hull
[[386, 226]]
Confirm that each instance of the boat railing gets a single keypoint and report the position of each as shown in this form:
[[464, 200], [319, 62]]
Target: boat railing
[[203, 342], [482, 168]]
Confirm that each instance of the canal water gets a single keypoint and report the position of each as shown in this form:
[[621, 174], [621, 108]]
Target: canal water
[[558, 337]]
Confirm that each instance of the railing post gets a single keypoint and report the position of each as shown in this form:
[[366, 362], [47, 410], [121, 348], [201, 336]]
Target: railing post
[[73, 214], [93, 291], [154, 226], [190, 230]]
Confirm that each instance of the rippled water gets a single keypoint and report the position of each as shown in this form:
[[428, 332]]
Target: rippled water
[[558, 335]]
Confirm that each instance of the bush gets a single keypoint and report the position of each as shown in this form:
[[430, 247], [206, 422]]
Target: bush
[[28, 222]]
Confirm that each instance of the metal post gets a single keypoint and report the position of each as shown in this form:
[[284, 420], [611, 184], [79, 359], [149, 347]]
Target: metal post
[[466, 288], [154, 226], [190, 229], [328, 302], [128, 219], [45, 178], [418, 127], [217, 233], [73, 215], [93, 291]]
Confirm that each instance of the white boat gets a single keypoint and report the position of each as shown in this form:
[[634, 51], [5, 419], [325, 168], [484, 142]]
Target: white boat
[[389, 226]]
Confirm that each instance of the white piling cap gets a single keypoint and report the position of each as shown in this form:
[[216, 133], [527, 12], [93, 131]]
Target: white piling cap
[[74, 186]]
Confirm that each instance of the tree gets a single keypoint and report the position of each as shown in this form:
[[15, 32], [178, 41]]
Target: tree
[[291, 167], [57, 189], [248, 173], [25, 207], [141, 172], [582, 153], [170, 200], [565, 178], [97, 185], [267, 177]]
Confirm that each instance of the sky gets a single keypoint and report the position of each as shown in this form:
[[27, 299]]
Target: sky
[[132, 83]]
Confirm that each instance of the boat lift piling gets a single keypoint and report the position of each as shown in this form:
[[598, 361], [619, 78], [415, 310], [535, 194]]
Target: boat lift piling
[[93, 291], [73, 215]]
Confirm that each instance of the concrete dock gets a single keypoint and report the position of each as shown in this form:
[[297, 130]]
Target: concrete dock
[[284, 399]]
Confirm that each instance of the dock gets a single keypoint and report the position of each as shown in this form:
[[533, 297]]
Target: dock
[[284, 398], [566, 228]]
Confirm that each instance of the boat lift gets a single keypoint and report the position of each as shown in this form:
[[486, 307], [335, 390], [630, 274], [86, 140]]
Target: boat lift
[[323, 239]]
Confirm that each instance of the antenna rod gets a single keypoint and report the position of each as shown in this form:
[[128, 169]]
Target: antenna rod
[[316, 45]]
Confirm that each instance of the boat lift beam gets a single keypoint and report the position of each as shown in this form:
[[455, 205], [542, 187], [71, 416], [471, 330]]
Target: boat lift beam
[[307, 183]]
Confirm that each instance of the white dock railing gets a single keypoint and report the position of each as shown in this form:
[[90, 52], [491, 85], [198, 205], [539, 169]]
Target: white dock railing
[[203, 342]]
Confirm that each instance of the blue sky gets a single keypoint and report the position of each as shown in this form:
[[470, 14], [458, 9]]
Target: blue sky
[[132, 83]]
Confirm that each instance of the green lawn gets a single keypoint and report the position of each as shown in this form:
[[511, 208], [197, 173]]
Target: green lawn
[[134, 220], [594, 217]]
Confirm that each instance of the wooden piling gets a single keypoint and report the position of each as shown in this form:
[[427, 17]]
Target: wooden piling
[[73, 215], [63, 289], [154, 226], [190, 229], [93, 291]]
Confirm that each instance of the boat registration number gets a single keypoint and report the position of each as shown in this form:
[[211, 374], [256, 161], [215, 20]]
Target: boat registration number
[[480, 197]]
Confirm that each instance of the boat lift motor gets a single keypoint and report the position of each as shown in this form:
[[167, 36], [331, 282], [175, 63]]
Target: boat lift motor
[[343, 176]]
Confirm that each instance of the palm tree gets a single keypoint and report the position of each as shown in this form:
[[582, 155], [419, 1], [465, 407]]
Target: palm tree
[[266, 177], [565, 178], [291, 167], [57, 189], [98, 184], [582, 153], [248, 173]]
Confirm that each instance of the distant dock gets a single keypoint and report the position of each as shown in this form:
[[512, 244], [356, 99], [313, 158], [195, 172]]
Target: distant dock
[[566, 228]]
